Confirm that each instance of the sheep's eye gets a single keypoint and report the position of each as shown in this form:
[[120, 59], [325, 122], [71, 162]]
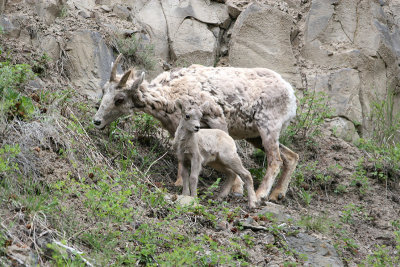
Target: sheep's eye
[[118, 100], [187, 117]]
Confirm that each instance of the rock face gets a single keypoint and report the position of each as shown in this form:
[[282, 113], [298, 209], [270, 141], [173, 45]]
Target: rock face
[[348, 49], [273, 50], [90, 61], [318, 252], [194, 42], [359, 39]]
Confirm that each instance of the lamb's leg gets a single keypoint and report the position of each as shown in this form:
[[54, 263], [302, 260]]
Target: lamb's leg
[[238, 168], [185, 177], [269, 135], [226, 188], [220, 123], [195, 169], [237, 187], [290, 160], [179, 181]]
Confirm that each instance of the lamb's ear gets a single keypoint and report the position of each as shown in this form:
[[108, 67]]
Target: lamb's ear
[[205, 107], [179, 104], [124, 79], [137, 83], [114, 68]]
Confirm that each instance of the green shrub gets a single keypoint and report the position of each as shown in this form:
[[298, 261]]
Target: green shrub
[[140, 52], [312, 110], [13, 103], [383, 147]]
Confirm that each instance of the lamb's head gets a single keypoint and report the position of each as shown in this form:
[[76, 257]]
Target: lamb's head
[[191, 115], [117, 99]]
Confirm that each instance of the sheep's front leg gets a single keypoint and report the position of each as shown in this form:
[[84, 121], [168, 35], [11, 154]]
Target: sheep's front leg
[[194, 175], [185, 178], [179, 181]]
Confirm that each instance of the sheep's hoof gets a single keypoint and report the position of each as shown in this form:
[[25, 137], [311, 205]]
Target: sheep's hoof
[[276, 197], [237, 194]]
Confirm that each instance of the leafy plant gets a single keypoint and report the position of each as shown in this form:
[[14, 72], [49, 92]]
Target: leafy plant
[[311, 112], [360, 179], [141, 53]]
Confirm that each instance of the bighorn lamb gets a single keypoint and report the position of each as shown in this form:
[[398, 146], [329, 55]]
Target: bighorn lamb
[[250, 103], [212, 147]]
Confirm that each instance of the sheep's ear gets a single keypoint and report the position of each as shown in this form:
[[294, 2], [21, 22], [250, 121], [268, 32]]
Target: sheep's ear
[[137, 82], [114, 68], [205, 106], [179, 105], [124, 79]]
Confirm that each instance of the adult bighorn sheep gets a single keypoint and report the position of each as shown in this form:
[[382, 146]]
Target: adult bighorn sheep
[[196, 147], [254, 104]]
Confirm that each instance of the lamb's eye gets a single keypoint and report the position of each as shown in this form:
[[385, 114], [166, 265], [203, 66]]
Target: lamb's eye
[[187, 117]]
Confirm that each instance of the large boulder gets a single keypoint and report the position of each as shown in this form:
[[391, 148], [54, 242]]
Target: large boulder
[[193, 42], [357, 38], [343, 93], [89, 61], [10, 26], [47, 10], [152, 19], [261, 38], [166, 20]]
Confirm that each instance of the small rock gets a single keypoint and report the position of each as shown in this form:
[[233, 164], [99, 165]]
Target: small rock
[[84, 14], [105, 8], [122, 12], [186, 201], [222, 226]]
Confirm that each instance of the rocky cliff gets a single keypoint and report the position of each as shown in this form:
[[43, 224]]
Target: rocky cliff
[[348, 49]]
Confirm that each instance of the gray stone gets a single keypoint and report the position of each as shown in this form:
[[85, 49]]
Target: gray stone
[[10, 27], [193, 42], [90, 61], [320, 14], [273, 50], [48, 10], [318, 252], [342, 128], [2, 6], [186, 201], [106, 8], [343, 92], [85, 14], [86, 5], [276, 210], [122, 12], [151, 16], [163, 19], [49, 44], [235, 7]]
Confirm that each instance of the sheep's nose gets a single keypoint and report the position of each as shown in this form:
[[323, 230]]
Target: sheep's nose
[[196, 128], [96, 122]]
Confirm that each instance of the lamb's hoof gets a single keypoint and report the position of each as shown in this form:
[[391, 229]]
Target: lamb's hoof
[[178, 183]]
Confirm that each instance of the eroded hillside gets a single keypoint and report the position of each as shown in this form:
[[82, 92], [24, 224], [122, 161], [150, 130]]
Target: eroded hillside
[[74, 195]]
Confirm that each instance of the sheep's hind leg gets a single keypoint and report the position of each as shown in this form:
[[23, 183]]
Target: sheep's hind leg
[[290, 160], [219, 123], [271, 146]]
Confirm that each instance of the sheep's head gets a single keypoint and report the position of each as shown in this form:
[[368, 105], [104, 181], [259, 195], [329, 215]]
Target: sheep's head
[[117, 99], [191, 115]]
